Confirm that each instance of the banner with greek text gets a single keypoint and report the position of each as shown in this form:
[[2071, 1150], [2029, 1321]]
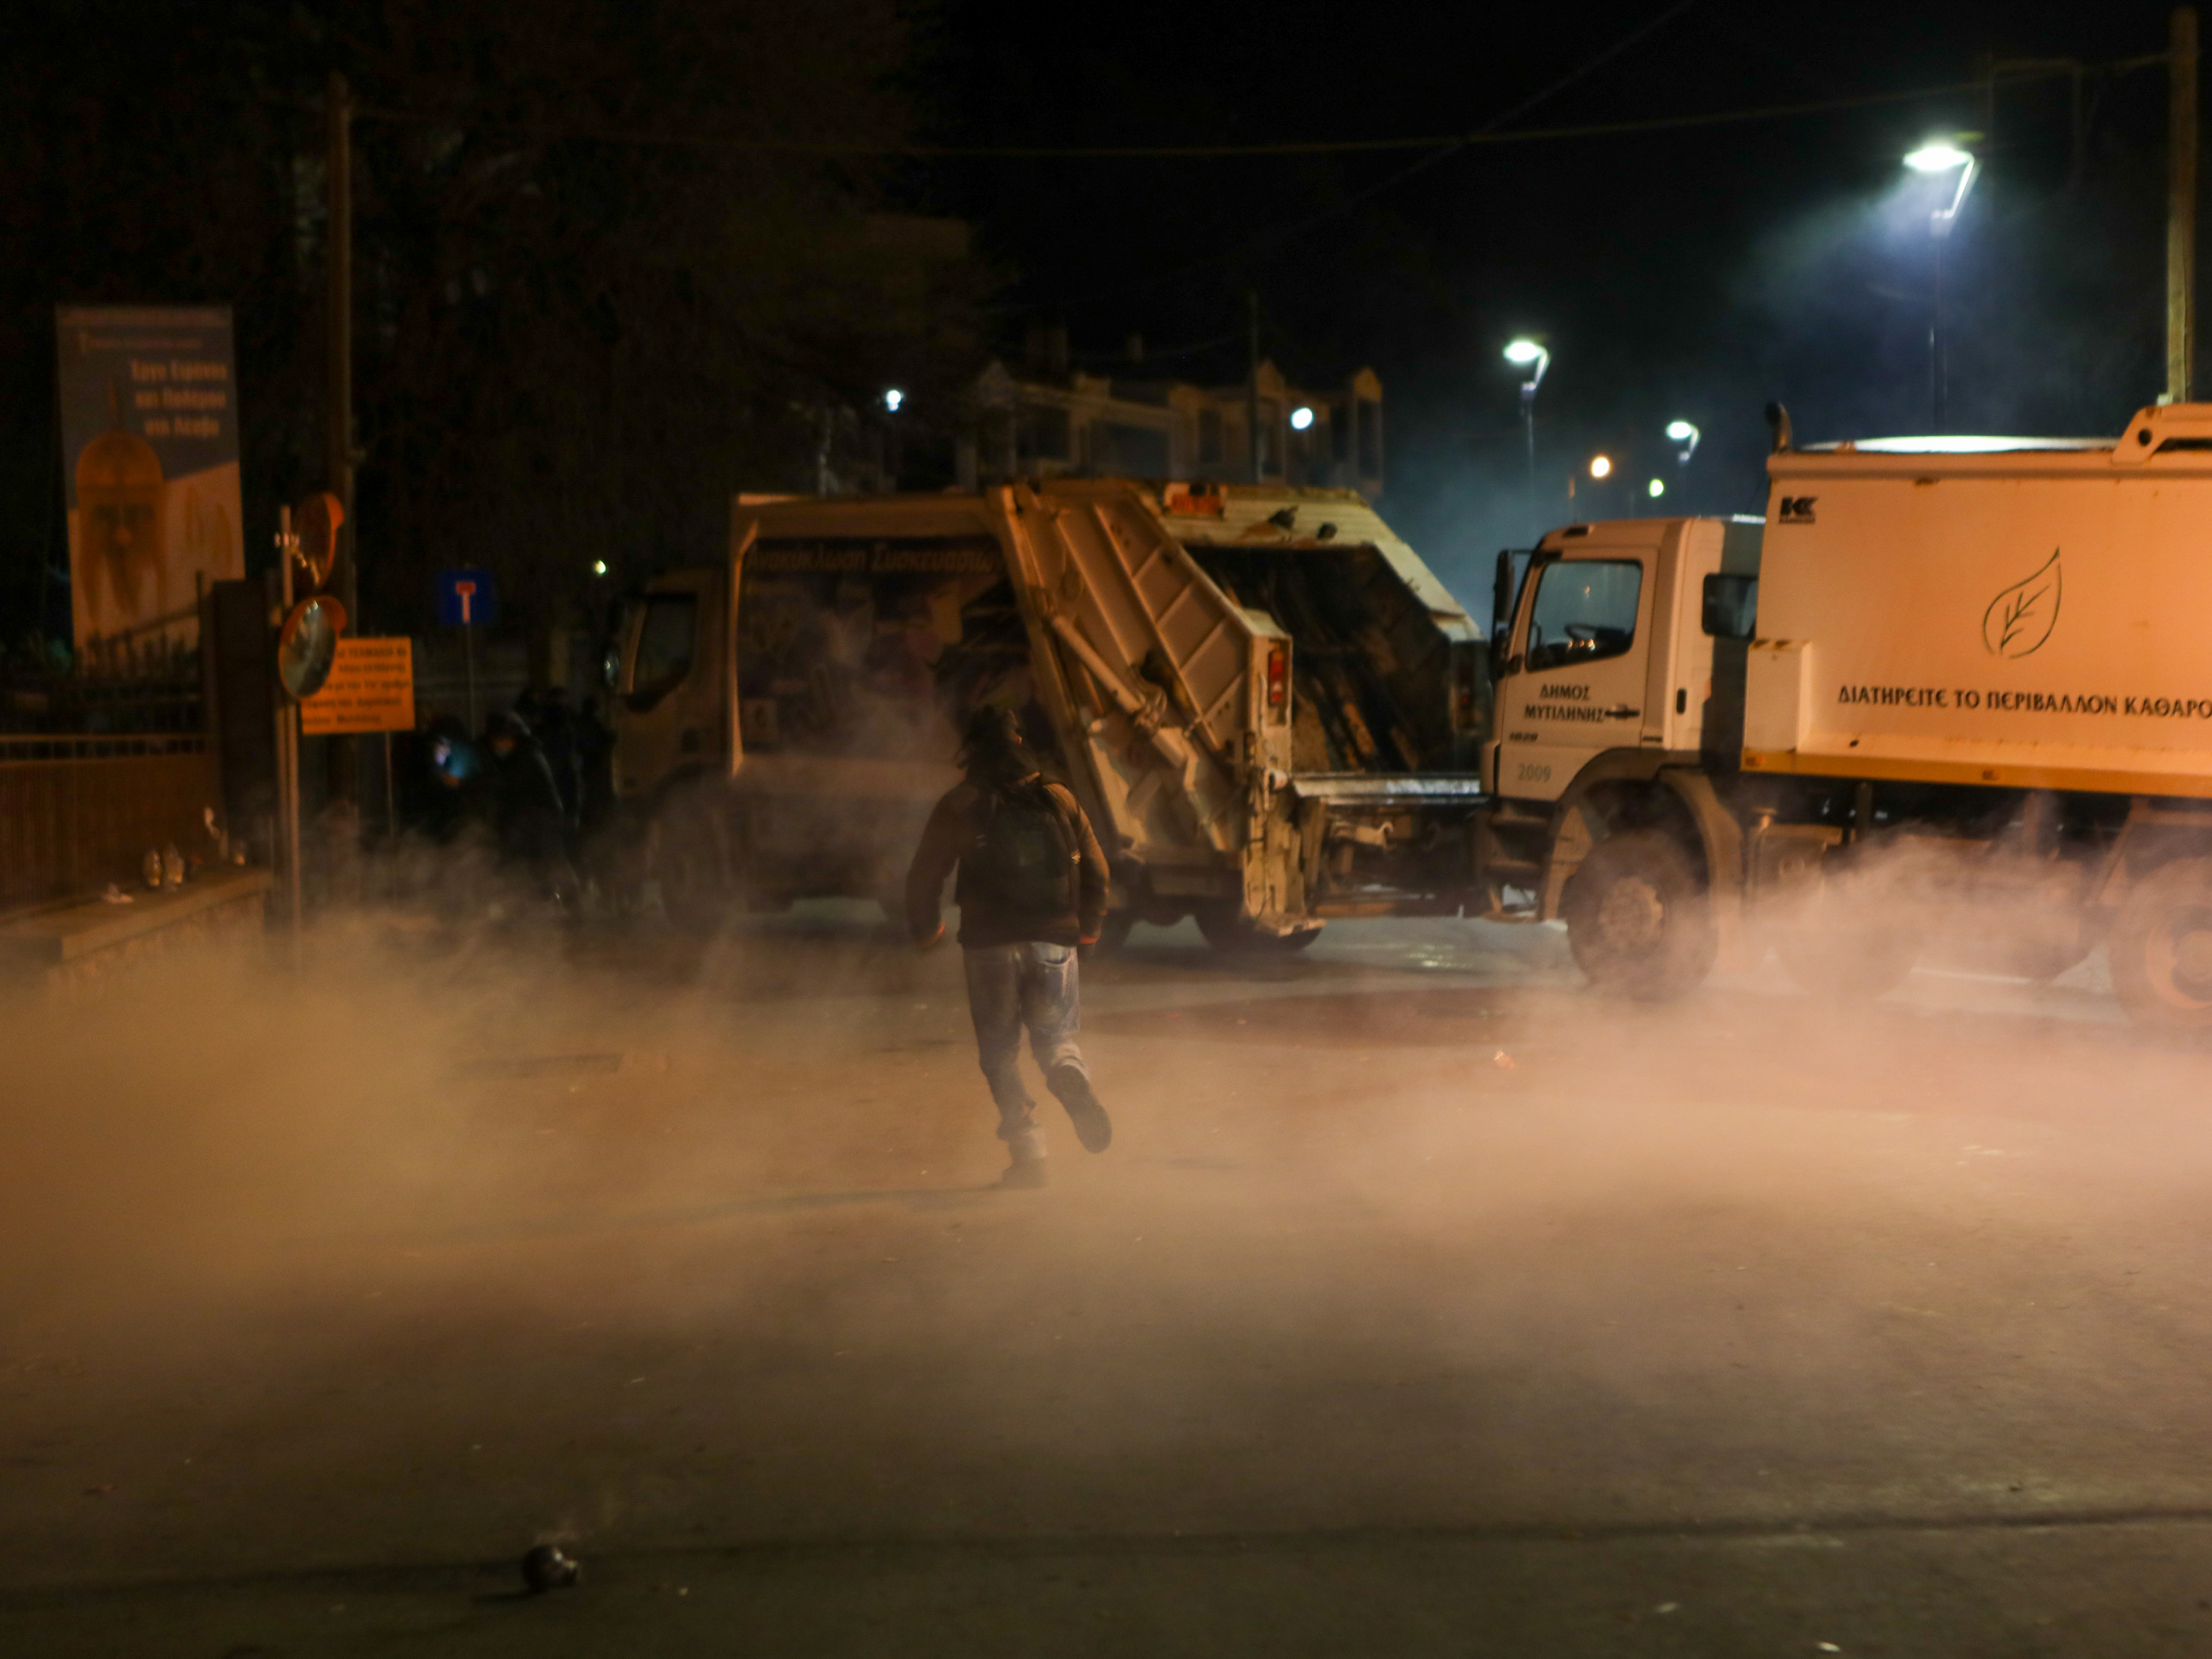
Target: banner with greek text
[[150, 463]]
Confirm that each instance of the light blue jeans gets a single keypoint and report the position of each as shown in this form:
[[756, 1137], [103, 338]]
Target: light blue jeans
[[1010, 986]]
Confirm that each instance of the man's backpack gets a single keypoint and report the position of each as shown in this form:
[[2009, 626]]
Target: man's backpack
[[1024, 859]]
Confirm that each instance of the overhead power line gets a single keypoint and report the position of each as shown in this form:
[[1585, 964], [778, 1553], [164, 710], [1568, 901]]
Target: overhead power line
[[1442, 152], [1489, 135]]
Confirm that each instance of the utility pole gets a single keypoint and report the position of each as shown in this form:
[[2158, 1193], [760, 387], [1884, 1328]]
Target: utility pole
[[288, 751], [1935, 342], [1252, 388], [338, 389], [2181, 206]]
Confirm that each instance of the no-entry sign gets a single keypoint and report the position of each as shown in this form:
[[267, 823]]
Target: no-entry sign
[[468, 599], [371, 689]]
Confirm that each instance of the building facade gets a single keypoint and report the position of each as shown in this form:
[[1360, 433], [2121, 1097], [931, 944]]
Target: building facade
[[1044, 420]]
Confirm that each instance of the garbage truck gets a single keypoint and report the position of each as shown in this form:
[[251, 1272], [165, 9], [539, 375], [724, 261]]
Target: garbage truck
[[1269, 708], [1952, 697]]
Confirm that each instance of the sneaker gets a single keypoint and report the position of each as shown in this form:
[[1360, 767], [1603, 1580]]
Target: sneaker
[[1024, 1172], [1092, 1127]]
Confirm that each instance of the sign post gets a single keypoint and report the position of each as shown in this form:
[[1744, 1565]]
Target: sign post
[[468, 600], [287, 742], [371, 689]]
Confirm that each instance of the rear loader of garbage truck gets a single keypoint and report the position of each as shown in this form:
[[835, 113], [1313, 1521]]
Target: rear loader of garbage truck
[[1952, 702], [1266, 703]]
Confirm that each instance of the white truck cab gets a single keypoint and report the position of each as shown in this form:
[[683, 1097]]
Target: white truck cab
[[1606, 648]]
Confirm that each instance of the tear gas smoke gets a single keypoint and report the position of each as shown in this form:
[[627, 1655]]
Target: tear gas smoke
[[628, 1244]]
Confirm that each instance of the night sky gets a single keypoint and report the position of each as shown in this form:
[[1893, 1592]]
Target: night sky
[[1692, 273], [600, 285]]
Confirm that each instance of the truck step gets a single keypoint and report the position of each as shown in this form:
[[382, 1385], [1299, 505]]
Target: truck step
[[1506, 814]]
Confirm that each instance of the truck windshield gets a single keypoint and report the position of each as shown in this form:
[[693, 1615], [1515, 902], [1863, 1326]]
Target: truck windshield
[[1585, 610], [663, 646]]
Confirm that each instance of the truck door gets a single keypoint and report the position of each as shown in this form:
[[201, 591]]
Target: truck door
[[670, 706], [1576, 682]]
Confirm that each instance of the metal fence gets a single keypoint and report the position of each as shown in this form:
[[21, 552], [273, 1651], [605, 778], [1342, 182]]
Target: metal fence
[[95, 773], [78, 812], [92, 705]]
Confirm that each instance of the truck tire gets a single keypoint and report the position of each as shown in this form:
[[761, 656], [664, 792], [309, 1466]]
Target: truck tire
[[2161, 948], [689, 868], [1639, 920]]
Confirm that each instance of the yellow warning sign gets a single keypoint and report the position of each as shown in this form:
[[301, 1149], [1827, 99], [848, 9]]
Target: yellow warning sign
[[371, 689]]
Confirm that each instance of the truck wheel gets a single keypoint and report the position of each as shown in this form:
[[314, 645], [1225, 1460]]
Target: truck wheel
[[1639, 920], [688, 866], [2161, 948]]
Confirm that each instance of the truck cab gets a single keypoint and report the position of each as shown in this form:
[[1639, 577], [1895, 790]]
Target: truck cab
[[1618, 664]]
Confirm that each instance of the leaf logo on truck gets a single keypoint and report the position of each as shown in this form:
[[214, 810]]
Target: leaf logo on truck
[[2020, 619]]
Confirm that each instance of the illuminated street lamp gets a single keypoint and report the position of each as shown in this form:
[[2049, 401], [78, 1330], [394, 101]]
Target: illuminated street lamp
[[1526, 354], [1940, 156], [1656, 488], [891, 399], [1683, 433], [1601, 467], [1300, 418]]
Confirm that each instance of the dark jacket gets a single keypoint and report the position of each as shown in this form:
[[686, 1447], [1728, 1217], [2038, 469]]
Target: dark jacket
[[955, 823], [525, 804]]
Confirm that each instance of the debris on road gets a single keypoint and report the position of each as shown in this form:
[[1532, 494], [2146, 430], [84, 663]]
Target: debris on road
[[547, 1567]]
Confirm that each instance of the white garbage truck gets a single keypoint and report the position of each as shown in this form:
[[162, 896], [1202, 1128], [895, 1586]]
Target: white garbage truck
[[1269, 708], [1952, 695]]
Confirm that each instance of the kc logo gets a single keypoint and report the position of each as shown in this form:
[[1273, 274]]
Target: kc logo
[[1798, 509]]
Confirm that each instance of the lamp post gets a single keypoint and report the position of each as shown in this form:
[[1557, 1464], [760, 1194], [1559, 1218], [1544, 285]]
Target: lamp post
[[1941, 156], [1683, 433], [1528, 354]]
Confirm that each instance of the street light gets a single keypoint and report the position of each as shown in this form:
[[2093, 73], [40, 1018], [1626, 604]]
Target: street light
[[893, 398], [1938, 156], [1686, 435], [1526, 354], [1601, 467], [1656, 488], [1300, 418]]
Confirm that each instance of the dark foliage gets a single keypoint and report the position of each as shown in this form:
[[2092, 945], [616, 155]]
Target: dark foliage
[[572, 343]]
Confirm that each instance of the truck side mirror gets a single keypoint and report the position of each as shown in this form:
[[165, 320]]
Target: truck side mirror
[[1732, 606]]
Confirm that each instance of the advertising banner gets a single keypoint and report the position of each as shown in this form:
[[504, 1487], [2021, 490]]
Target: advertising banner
[[149, 461]]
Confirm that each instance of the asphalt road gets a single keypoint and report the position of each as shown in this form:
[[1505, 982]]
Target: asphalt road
[[1424, 1304]]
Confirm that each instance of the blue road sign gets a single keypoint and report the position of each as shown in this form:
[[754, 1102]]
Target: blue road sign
[[468, 599]]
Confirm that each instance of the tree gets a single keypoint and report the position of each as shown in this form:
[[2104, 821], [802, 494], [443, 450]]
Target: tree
[[595, 292]]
